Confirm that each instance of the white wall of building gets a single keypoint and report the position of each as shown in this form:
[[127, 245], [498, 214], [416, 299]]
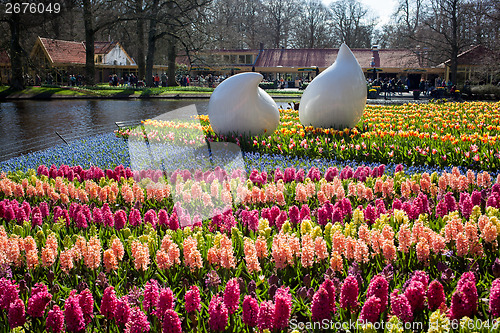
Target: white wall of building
[[117, 57]]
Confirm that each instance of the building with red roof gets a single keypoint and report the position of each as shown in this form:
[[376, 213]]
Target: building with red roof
[[69, 57], [477, 64], [277, 63]]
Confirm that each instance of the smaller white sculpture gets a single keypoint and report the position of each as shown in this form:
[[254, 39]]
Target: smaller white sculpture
[[239, 105], [336, 97]]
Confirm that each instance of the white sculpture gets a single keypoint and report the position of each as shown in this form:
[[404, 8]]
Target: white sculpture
[[239, 105], [336, 97]]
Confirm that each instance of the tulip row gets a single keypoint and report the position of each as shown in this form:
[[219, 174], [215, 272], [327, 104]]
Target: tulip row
[[463, 134]]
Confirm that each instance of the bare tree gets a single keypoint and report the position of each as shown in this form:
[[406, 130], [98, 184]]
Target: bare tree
[[141, 63], [443, 32], [313, 26], [97, 16], [23, 26], [352, 23], [89, 43], [171, 19], [279, 15]]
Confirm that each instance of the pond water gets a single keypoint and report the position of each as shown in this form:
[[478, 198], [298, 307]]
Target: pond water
[[27, 126]]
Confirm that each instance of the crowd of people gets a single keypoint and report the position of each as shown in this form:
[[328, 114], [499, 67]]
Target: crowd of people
[[125, 80], [430, 88]]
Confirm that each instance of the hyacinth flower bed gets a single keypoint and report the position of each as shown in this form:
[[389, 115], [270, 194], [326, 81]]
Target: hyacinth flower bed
[[304, 238], [289, 246]]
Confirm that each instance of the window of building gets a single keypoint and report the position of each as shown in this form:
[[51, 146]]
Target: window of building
[[249, 59], [241, 59], [233, 59]]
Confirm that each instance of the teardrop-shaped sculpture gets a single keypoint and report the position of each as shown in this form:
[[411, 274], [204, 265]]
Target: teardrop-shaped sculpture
[[337, 97], [239, 105]]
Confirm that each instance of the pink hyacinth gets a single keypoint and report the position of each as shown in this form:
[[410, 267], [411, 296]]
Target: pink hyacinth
[[73, 314], [134, 218], [250, 311], [163, 218], [330, 288], [379, 287], [137, 322], [400, 307], [39, 299], [37, 219], [151, 218], [171, 322], [282, 308], [495, 299], [371, 310], [109, 303], [86, 301], [435, 295], [464, 278], [192, 299], [218, 314], [120, 218], [289, 175], [465, 204], [55, 320], [415, 293], [293, 213], [97, 216], [349, 293], [122, 313], [173, 222], [8, 293], [422, 277], [320, 308], [151, 295], [81, 220], [16, 315], [278, 175], [469, 298], [232, 295], [265, 319], [165, 302], [44, 209]]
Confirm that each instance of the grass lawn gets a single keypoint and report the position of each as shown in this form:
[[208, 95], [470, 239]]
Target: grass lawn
[[102, 90], [38, 92]]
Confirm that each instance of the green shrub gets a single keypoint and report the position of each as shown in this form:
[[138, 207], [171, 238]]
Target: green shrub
[[267, 85]]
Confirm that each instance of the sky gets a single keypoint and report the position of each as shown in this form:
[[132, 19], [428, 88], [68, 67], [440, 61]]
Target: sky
[[382, 8]]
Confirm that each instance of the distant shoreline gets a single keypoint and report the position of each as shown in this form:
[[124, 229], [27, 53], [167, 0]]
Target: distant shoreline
[[119, 93]]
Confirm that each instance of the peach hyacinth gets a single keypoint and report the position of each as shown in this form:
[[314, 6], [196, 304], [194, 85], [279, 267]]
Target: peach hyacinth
[[192, 256], [140, 253]]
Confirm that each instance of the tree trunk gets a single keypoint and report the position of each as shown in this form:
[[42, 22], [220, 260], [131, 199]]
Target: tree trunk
[[141, 64], [16, 56], [454, 42], [89, 44], [151, 50], [171, 62]]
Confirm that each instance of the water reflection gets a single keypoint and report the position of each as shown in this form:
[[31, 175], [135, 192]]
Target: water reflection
[[27, 126]]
